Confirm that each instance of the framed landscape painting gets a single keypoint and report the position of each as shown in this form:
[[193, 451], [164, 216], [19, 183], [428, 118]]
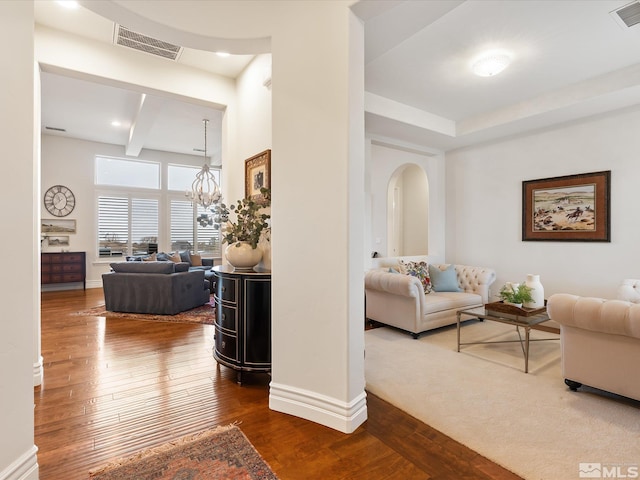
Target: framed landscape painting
[[58, 241], [257, 175], [573, 208], [58, 225]]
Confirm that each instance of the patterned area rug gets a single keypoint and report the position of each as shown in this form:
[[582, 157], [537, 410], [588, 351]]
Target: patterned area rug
[[222, 453], [202, 314]]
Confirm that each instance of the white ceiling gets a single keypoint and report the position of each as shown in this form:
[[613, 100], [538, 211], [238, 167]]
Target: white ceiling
[[571, 59], [85, 109]]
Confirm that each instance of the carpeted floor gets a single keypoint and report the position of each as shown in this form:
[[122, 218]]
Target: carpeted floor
[[531, 423], [223, 453], [203, 314]]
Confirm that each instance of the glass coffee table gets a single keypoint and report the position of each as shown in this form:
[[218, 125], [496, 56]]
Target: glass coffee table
[[521, 318]]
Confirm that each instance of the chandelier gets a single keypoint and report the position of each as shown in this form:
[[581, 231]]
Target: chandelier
[[204, 189]]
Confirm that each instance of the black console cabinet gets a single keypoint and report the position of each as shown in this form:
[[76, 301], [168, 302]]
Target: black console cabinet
[[243, 319]]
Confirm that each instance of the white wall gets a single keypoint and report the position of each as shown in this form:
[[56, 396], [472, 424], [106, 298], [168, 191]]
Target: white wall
[[252, 132], [71, 162], [484, 205], [20, 290], [384, 162]]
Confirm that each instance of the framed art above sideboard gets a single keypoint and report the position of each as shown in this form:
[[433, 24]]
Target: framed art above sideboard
[[257, 175]]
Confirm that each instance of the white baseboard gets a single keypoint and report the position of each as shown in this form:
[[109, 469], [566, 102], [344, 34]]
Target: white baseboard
[[38, 372], [23, 468], [327, 411]]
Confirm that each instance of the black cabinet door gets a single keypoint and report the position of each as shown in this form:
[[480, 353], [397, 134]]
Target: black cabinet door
[[257, 316]]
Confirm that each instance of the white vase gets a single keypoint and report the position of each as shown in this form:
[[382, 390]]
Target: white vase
[[242, 256], [537, 291]]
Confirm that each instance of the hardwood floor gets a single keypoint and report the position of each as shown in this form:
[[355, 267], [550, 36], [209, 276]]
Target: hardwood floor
[[114, 387]]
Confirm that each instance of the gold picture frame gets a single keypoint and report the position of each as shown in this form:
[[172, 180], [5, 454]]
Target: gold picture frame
[[257, 175], [573, 208]]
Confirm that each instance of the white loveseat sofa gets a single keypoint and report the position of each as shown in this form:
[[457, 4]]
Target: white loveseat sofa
[[399, 300], [600, 340]]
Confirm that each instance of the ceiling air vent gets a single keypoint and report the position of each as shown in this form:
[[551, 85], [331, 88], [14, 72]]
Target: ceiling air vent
[[143, 43], [629, 14]]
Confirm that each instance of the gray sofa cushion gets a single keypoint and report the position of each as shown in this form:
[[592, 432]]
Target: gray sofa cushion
[[144, 267], [182, 267]]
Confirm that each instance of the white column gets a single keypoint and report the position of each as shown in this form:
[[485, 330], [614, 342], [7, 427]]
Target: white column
[[318, 216], [17, 195]]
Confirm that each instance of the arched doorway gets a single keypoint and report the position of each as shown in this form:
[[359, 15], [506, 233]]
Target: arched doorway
[[408, 211]]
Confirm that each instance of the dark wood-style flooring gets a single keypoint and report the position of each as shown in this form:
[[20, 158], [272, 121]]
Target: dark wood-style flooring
[[114, 387]]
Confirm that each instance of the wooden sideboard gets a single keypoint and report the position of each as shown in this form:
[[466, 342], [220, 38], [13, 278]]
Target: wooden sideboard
[[63, 267], [243, 319]]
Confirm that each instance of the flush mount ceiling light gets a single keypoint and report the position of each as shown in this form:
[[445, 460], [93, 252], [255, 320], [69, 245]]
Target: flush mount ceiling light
[[70, 4], [490, 64]]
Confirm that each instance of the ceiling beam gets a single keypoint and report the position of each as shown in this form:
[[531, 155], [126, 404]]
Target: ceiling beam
[[148, 110]]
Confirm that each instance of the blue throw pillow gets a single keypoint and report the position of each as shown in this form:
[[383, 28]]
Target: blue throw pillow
[[444, 280], [185, 256]]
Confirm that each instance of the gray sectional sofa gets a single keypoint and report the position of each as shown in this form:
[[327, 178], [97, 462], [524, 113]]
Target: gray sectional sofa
[[164, 288], [204, 264]]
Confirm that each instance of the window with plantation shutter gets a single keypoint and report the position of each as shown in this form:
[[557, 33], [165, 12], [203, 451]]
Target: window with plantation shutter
[[126, 225], [188, 234], [144, 224], [208, 238], [113, 226], [138, 213], [182, 222]]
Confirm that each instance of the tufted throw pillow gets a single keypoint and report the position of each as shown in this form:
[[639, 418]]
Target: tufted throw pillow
[[175, 257], [421, 271], [444, 280]]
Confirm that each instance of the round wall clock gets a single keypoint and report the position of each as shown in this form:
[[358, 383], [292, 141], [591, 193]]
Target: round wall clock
[[59, 201]]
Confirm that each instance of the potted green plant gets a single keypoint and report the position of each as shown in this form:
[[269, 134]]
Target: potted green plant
[[243, 235], [515, 294]]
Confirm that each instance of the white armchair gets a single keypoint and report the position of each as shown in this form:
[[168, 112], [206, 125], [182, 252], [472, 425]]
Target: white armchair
[[600, 341]]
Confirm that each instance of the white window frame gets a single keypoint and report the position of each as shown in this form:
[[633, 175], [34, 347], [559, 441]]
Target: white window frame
[[164, 196]]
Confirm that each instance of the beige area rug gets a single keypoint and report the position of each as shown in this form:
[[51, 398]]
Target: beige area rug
[[531, 424]]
